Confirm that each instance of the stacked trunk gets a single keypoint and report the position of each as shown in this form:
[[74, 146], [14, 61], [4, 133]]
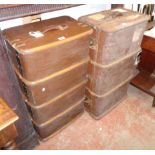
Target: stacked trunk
[[114, 46], [50, 60]]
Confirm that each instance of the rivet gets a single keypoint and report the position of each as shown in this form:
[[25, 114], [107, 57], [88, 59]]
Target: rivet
[[124, 24], [43, 89], [100, 129]]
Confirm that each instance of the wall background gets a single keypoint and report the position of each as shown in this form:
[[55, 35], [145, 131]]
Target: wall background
[[74, 12]]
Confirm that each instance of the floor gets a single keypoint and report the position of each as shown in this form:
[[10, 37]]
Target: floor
[[131, 125]]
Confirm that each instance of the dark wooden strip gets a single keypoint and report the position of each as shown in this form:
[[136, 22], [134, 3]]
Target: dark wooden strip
[[145, 82], [117, 6]]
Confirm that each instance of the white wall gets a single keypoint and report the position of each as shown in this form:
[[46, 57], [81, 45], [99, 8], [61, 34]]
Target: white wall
[[78, 11], [74, 12]]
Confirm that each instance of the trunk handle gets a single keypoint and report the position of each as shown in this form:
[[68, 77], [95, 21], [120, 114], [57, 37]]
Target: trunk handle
[[113, 15], [55, 27]]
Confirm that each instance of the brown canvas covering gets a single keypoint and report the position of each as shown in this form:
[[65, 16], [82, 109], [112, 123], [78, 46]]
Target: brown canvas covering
[[103, 78], [113, 48], [119, 32], [48, 110], [53, 126], [98, 106], [41, 91]]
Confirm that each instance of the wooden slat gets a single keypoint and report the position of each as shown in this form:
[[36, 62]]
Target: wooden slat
[[7, 116], [7, 136], [145, 82], [148, 43], [117, 6]]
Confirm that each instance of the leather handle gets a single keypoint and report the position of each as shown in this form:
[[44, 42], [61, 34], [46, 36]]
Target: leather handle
[[38, 34], [113, 15], [55, 27], [117, 14]]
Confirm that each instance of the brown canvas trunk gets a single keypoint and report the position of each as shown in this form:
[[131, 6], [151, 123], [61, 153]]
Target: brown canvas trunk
[[64, 42], [50, 60], [114, 46], [54, 125], [48, 110]]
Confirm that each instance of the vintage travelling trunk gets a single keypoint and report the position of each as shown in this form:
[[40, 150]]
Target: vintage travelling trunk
[[50, 59], [50, 109], [99, 105], [114, 47], [59, 42], [118, 32], [41, 91], [57, 123]]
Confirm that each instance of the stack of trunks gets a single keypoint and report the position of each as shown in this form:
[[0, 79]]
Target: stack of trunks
[[56, 59], [50, 60], [114, 46]]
